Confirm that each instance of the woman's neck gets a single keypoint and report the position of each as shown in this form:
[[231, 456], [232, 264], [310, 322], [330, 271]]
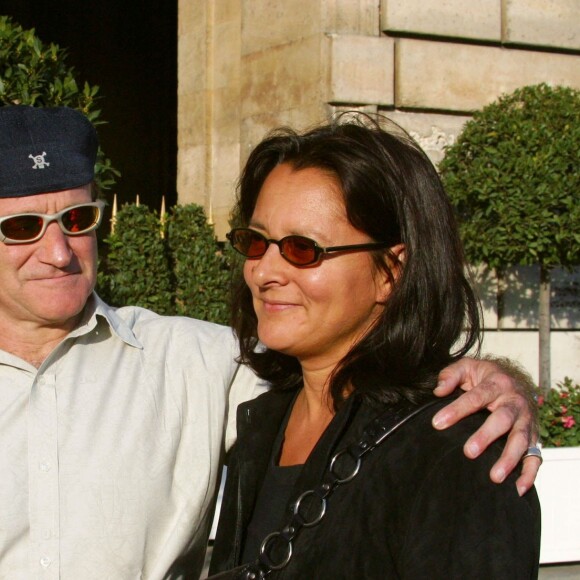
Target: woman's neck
[[312, 412]]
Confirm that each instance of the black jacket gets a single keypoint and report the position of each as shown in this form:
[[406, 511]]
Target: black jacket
[[418, 508]]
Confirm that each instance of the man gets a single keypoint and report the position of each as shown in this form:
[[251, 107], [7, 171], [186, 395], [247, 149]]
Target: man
[[112, 422]]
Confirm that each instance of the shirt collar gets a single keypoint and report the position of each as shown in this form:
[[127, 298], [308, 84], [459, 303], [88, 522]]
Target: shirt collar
[[97, 309]]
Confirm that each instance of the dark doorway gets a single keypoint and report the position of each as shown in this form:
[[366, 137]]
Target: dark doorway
[[129, 49]]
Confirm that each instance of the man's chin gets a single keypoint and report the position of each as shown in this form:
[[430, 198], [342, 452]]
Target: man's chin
[[61, 309]]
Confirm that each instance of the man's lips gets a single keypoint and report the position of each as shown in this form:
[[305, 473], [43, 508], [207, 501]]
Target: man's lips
[[53, 277]]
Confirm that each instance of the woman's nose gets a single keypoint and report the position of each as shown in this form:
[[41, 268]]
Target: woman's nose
[[271, 267]]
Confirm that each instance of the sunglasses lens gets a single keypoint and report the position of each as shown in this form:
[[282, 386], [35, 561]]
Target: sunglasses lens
[[298, 250], [80, 219], [250, 244], [22, 227]]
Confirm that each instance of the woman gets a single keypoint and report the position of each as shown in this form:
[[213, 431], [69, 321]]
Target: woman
[[356, 323]]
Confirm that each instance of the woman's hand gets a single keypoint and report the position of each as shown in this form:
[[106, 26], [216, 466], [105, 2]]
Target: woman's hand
[[507, 391]]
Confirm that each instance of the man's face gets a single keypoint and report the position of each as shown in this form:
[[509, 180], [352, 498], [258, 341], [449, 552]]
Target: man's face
[[47, 282]]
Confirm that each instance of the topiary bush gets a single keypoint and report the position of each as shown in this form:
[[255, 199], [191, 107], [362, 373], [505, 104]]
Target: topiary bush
[[176, 267], [136, 269], [201, 269], [513, 178], [36, 74]]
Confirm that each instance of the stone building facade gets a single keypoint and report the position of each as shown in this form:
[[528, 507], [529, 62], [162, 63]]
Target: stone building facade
[[246, 66]]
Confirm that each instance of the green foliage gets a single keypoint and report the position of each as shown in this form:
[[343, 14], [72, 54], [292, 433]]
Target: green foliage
[[137, 266], [513, 178], [184, 272], [36, 74], [559, 414], [200, 268]]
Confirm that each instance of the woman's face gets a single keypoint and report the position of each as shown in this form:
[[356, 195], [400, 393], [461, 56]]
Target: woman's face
[[314, 313]]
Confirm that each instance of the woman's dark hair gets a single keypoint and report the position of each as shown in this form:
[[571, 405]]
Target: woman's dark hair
[[393, 193]]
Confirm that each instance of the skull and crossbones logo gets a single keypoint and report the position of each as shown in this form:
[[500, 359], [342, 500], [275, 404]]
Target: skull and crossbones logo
[[39, 161]]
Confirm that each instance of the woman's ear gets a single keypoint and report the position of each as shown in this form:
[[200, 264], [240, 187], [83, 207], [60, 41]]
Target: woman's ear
[[399, 252], [395, 264]]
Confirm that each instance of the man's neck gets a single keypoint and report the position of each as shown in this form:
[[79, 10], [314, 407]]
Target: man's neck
[[33, 343]]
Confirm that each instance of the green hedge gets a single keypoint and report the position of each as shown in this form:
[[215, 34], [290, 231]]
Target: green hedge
[[201, 270], [513, 177], [136, 268], [175, 267]]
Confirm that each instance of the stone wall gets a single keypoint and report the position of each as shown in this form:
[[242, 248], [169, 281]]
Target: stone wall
[[246, 66]]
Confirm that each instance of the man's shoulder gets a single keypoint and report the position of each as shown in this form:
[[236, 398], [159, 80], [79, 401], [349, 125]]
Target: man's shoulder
[[136, 316], [150, 328], [188, 331]]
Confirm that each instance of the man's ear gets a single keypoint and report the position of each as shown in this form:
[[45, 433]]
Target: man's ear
[[396, 265]]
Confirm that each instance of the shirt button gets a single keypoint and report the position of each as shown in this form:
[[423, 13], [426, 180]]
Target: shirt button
[[45, 561], [41, 380], [44, 466]]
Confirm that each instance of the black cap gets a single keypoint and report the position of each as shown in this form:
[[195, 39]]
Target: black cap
[[44, 150]]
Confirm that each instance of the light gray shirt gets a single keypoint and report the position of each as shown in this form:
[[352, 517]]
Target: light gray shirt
[[111, 450]]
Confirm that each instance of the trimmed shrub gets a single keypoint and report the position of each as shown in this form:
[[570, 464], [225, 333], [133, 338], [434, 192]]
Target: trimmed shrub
[[136, 269], [513, 178], [201, 270], [174, 268]]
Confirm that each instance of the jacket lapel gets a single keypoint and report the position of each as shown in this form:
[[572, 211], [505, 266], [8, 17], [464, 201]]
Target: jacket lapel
[[258, 424]]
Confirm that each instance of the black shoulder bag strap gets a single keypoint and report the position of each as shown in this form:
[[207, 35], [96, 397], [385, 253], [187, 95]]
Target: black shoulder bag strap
[[310, 508]]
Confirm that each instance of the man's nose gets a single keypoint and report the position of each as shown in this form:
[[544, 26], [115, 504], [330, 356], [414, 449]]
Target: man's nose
[[54, 247]]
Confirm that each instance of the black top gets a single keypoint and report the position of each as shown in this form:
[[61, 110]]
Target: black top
[[418, 508], [276, 492]]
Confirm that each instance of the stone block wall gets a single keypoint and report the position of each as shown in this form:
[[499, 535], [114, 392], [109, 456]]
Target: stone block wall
[[247, 66]]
